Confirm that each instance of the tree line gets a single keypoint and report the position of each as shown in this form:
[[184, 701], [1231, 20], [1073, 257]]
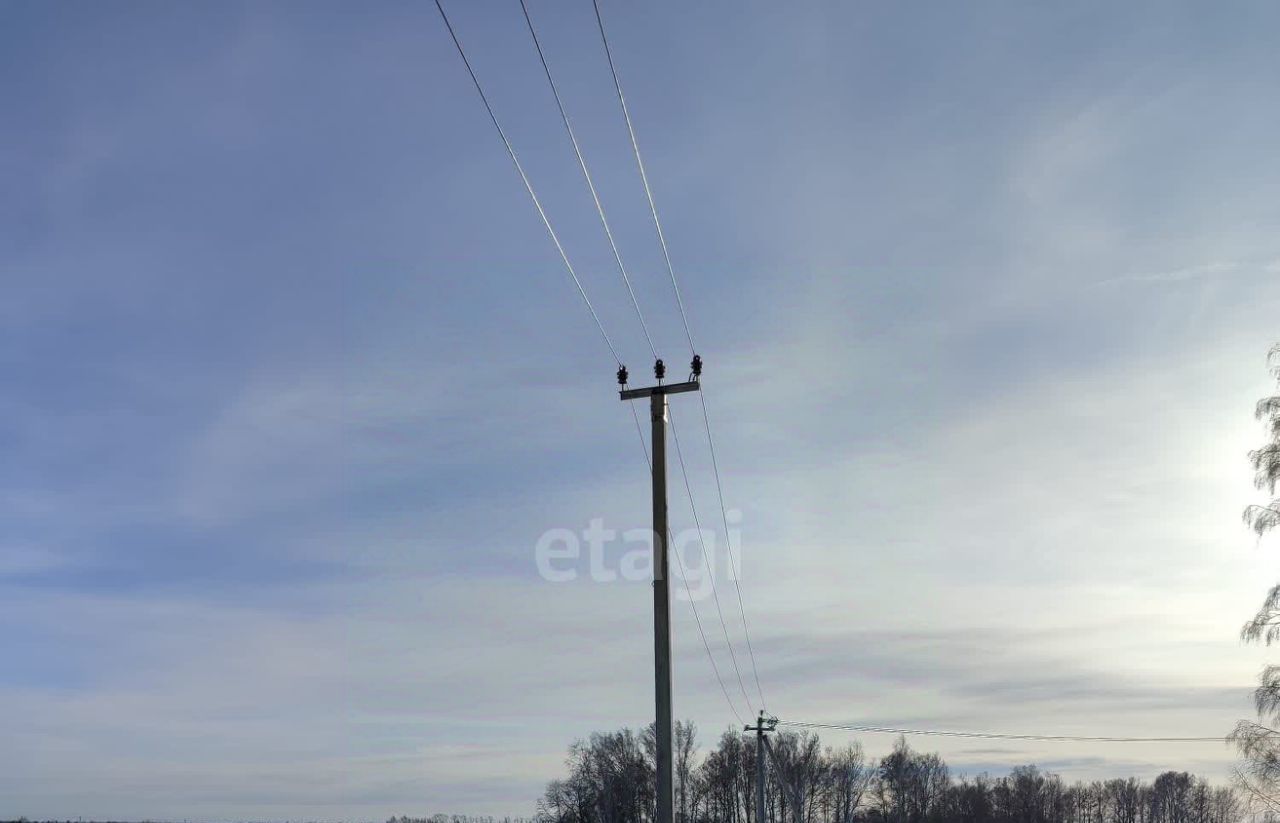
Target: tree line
[[611, 780]]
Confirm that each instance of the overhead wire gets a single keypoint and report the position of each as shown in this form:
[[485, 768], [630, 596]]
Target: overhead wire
[[644, 178], [697, 523], [1044, 738], [546, 221], [635, 303], [684, 317], [578, 283], [586, 175], [734, 574], [644, 447], [706, 418]]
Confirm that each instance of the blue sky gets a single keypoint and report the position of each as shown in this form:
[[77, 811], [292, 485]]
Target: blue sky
[[295, 381]]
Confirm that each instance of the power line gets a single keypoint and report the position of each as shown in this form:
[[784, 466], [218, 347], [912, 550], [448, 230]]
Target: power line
[[684, 317], [644, 178], [635, 303], [707, 646], [582, 164], [643, 446], [528, 186], [1044, 738], [582, 292], [734, 574], [715, 594], [706, 417]]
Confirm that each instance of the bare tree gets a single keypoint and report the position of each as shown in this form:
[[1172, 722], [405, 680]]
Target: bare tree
[[1124, 800], [848, 776], [611, 780], [1259, 741], [686, 747], [1266, 461], [910, 787]]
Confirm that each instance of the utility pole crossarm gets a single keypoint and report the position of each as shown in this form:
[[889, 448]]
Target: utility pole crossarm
[[670, 388]]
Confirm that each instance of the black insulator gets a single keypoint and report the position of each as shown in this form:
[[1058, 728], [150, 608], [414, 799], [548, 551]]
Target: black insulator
[[659, 369], [696, 366], [622, 375]]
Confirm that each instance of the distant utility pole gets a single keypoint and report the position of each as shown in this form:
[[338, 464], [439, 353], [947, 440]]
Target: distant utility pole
[[763, 726], [661, 590]]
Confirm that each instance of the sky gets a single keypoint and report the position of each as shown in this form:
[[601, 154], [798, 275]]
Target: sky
[[295, 382]]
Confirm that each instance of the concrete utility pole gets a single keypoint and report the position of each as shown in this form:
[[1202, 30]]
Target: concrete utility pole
[[661, 590], [763, 726]]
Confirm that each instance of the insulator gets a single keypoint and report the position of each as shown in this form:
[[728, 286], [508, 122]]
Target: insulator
[[696, 366], [622, 375], [659, 369]]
